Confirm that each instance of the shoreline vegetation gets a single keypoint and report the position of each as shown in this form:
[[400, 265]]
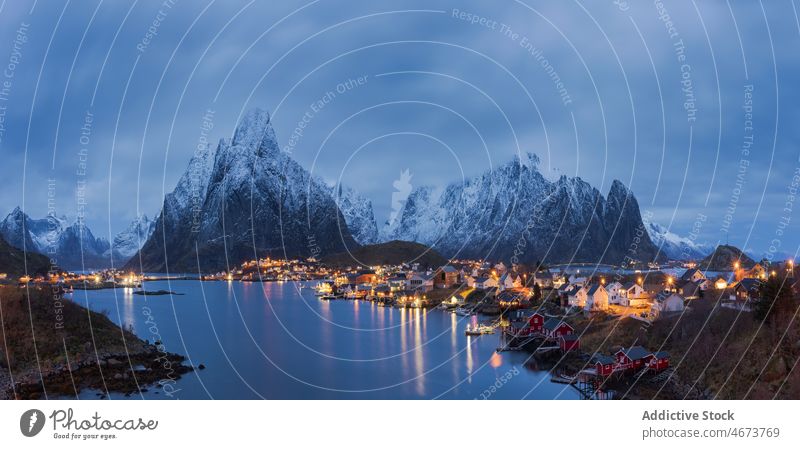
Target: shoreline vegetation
[[716, 352], [74, 349]]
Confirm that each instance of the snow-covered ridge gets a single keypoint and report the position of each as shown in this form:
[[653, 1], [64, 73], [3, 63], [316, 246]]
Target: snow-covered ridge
[[72, 244], [358, 214], [490, 214], [247, 198], [676, 247]]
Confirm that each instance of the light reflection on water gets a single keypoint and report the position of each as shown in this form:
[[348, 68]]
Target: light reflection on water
[[319, 349]]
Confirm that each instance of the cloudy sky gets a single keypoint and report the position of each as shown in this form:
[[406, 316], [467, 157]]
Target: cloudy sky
[[691, 104]]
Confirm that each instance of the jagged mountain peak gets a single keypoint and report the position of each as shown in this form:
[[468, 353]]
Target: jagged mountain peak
[[72, 244], [358, 213], [257, 201], [255, 131], [485, 217]]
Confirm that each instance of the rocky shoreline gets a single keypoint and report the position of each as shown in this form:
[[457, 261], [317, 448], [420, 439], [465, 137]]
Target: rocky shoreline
[[128, 374]]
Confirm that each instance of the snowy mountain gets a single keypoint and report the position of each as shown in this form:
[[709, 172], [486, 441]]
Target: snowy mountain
[[676, 247], [73, 246], [22, 232], [358, 214], [244, 199], [129, 241], [514, 213]]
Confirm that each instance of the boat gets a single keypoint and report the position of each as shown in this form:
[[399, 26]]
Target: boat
[[327, 297], [486, 329], [479, 329], [442, 306], [470, 330], [464, 312]]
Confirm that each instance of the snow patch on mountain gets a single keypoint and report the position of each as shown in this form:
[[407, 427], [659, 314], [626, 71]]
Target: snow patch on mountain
[[358, 214], [130, 240], [72, 244], [674, 246], [513, 212]]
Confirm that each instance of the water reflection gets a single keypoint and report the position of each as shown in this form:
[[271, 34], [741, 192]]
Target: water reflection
[[310, 353], [419, 359]]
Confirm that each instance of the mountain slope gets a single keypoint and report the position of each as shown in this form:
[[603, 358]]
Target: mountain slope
[[513, 213], [129, 241], [13, 261], [256, 201], [724, 257], [674, 246], [73, 246], [358, 214], [390, 253]]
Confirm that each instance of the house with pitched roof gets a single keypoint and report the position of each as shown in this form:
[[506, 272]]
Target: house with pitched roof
[[633, 357], [666, 302], [634, 295], [596, 298], [576, 297], [693, 274], [614, 290]]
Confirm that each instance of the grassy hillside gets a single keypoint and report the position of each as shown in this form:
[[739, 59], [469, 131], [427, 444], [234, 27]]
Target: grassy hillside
[[716, 352], [390, 253], [45, 337], [12, 261]]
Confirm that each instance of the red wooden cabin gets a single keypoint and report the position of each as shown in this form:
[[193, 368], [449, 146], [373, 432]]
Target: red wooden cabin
[[536, 322], [632, 358], [604, 365], [658, 361], [569, 343], [555, 328]]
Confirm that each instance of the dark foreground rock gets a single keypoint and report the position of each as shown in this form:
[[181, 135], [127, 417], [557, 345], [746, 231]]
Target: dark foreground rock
[[115, 373]]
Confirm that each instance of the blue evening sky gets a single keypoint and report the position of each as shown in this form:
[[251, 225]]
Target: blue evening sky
[[658, 102]]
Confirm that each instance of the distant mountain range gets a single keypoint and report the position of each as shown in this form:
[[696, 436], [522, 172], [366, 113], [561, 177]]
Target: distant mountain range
[[73, 245], [513, 210], [246, 198], [675, 247]]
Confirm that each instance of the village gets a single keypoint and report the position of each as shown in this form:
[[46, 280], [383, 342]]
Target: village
[[545, 311]]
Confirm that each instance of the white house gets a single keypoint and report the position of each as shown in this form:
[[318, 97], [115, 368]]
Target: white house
[[615, 292], [484, 283], [692, 275], [667, 302], [596, 298], [505, 282], [518, 282], [470, 281], [420, 282], [634, 295], [577, 280], [577, 296]]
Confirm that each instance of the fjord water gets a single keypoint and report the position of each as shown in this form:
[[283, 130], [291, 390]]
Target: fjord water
[[276, 341]]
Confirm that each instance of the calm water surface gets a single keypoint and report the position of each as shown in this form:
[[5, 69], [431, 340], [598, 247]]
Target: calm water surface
[[276, 341]]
